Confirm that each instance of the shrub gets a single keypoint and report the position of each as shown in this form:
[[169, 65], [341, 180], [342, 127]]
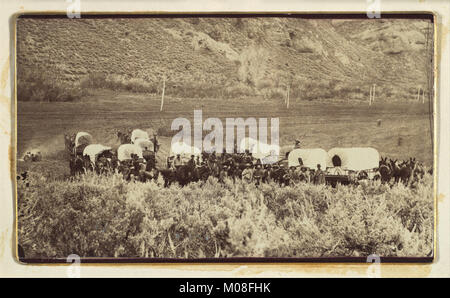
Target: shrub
[[39, 85], [118, 83], [104, 216]]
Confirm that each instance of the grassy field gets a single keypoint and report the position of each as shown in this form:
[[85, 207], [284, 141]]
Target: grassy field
[[404, 131]]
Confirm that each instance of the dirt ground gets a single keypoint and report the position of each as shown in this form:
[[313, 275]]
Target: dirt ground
[[396, 129]]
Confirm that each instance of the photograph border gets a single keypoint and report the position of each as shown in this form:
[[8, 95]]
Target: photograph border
[[440, 267], [302, 15]]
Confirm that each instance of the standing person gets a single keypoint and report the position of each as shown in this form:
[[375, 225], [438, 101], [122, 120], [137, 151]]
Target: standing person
[[258, 174], [114, 162], [267, 172], [222, 174], [198, 162], [149, 157], [304, 174], [177, 162], [128, 136], [236, 171], [155, 144], [274, 173], [191, 168], [247, 173], [191, 162], [248, 158], [286, 177], [293, 175], [197, 169], [319, 176]]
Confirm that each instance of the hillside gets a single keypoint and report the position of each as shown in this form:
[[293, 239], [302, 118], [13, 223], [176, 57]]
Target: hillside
[[320, 58]]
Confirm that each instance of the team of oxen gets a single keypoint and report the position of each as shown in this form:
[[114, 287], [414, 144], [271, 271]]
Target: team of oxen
[[253, 162]]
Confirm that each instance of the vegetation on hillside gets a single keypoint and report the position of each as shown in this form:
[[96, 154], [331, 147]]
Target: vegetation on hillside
[[229, 57], [42, 86]]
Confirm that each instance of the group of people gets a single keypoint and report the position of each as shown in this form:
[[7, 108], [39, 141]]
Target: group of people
[[136, 168], [278, 173], [107, 161], [238, 166], [199, 167]]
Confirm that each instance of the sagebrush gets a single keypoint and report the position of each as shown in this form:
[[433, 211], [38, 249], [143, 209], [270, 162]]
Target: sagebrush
[[40, 85], [105, 216]]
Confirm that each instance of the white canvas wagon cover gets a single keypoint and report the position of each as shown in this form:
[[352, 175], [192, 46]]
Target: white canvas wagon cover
[[94, 150], [184, 150], [258, 149], [138, 134], [247, 144], [310, 157], [142, 143], [267, 153], [355, 159], [124, 151], [83, 138]]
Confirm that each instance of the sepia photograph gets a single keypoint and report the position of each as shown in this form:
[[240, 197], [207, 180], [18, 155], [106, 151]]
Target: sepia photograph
[[221, 137]]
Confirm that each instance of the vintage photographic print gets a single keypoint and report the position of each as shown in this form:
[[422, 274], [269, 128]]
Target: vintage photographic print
[[225, 137]]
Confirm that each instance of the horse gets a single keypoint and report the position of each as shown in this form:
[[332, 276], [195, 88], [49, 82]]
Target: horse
[[149, 174], [76, 165], [280, 175], [168, 176], [385, 170], [203, 172], [406, 171], [403, 171], [182, 174]]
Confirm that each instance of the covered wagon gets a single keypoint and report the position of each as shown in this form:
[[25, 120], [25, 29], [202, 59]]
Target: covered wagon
[[82, 139], [144, 144], [99, 156], [125, 152], [148, 151], [309, 158], [94, 151], [345, 164], [138, 134], [267, 153], [128, 166], [184, 150], [247, 144]]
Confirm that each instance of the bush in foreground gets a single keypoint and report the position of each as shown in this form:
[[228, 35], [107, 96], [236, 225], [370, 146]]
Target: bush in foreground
[[107, 217]]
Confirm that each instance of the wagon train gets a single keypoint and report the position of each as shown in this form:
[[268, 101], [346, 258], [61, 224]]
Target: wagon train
[[251, 161]]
